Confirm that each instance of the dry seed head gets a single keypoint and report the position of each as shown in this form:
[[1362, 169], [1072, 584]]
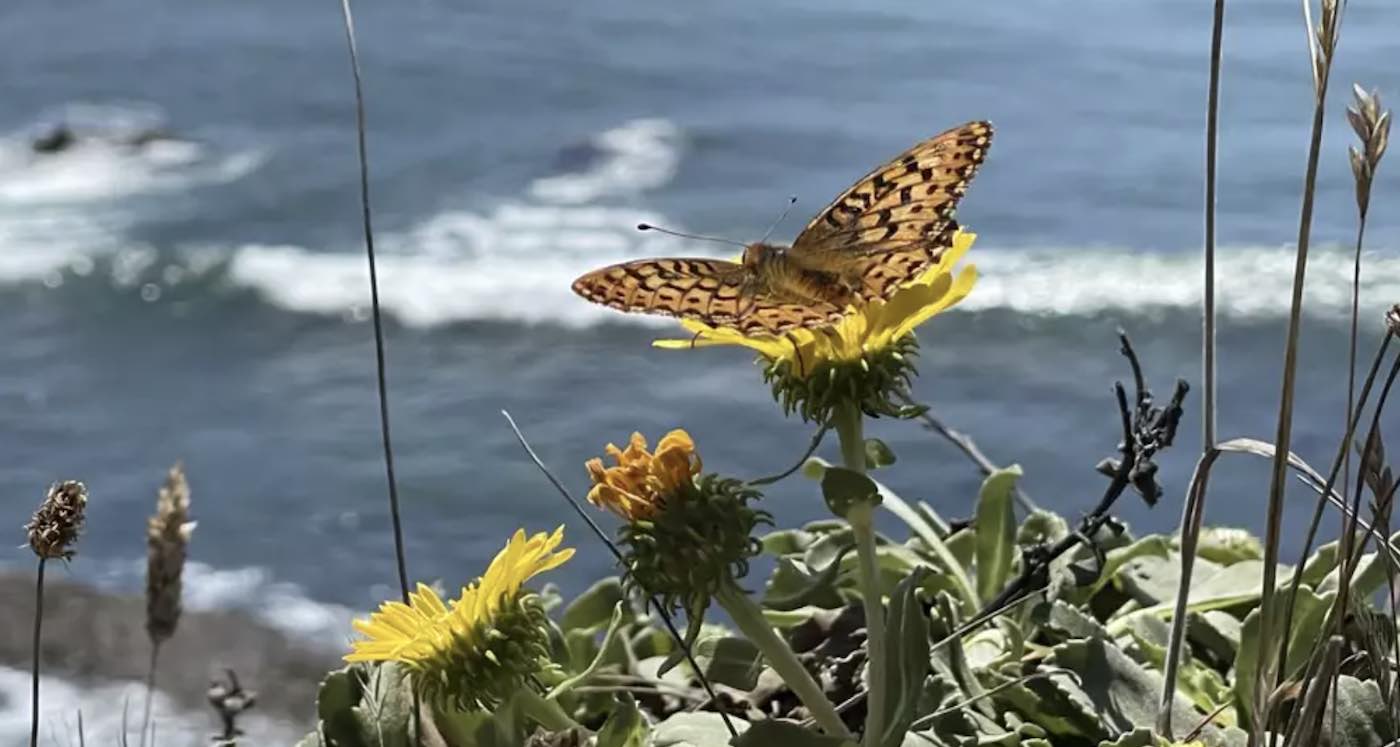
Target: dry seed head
[[1392, 319], [56, 525], [167, 537], [1371, 123]]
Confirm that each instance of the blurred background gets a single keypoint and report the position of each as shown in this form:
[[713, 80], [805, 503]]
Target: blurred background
[[182, 273]]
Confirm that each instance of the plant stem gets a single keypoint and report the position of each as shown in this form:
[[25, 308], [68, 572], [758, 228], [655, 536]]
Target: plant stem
[[150, 693], [546, 713], [749, 618], [38, 631], [850, 431]]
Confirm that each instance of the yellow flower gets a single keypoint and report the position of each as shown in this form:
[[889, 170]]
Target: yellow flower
[[867, 328], [481, 645], [641, 481]]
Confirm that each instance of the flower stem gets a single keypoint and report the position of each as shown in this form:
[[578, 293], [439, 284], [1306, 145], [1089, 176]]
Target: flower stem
[[749, 618], [850, 430], [546, 713], [38, 633]]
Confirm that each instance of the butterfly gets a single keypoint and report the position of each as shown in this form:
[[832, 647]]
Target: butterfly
[[881, 233]]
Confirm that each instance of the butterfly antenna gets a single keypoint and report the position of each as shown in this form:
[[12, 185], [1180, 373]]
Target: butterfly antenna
[[697, 237], [791, 201]]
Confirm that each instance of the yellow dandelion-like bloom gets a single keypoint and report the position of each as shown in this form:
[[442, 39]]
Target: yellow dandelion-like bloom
[[868, 328], [863, 360], [641, 481], [476, 649], [684, 534]]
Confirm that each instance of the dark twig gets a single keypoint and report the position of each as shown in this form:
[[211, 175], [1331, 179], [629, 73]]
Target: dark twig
[[376, 313], [811, 449], [653, 601], [1146, 430], [229, 700], [964, 443]]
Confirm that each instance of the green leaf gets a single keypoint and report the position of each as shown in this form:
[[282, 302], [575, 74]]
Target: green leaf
[[790, 586], [844, 488], [1140, 737], [1154, 545], [877, 454], [385, 712], [1363, 718], [933, 540], [996, 532], [1228, 545], [906, 658], [1309, 613], [1042, 528], [335, 702], [786, 542], [614, 626], [625, 727], [1367, 577], [1063, 621], [730, 661], [1230, 586], [702, 729], [1320, 563], [1122, 692], [594, 608], [774, 733]]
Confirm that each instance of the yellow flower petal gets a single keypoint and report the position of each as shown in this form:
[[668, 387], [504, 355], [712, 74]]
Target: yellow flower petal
[[426, 628]]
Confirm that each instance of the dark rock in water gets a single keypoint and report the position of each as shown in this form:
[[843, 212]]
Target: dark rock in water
[[58, 139], [91, 636]]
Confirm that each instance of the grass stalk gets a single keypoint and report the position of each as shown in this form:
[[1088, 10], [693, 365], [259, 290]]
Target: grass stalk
[[38, 637], [1208, 384], [150, 694], [381, 379], [1321, 44], [1194, 511]]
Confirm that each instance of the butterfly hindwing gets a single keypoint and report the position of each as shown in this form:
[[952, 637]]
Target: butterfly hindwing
[[882, 273]]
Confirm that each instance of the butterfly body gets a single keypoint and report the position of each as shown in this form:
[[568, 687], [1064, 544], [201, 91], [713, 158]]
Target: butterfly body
[[882, 232]]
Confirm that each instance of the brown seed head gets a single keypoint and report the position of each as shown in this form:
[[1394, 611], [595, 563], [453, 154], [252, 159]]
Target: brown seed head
[[1371, 123], [56, 525], [167, 536], [1392, 319]]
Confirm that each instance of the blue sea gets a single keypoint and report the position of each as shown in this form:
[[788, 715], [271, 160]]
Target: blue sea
[[203, 295]]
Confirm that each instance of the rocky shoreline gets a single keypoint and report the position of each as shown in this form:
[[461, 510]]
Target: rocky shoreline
[[93, 636]]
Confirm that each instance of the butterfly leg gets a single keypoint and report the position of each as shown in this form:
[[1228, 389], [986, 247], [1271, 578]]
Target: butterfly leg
[[797, 355], [696, 338]]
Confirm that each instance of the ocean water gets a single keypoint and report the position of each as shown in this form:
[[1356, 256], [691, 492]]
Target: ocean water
[[204, 297]]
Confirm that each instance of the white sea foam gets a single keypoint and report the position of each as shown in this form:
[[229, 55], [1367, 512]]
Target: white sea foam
[[493, 282], [278, 604], [117, 151], [102, 706], [515, 260]]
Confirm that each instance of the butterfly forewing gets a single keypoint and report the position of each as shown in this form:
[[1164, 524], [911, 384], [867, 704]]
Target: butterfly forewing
[[715, 292], [910, 199]]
